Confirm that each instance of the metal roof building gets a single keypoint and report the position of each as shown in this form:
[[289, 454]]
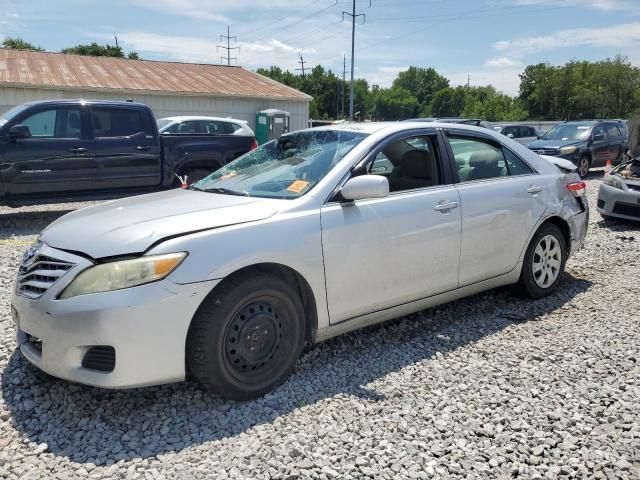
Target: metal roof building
[[169, 88]]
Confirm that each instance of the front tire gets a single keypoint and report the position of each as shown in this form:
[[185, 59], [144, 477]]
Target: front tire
[[543, 263], [246, 337]]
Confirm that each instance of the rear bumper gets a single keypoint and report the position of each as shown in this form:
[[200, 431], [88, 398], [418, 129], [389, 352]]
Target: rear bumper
[[614, 202]]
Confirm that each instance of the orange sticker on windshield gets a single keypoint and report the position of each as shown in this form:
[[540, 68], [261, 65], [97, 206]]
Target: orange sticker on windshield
[[298, 186], [228, 176]]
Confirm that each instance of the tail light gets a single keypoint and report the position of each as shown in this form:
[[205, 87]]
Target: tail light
[[579, 189], [254, 145]]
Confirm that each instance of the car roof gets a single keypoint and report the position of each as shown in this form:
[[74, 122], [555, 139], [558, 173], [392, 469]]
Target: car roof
[[392, 127], [182, 118], [76, 101]]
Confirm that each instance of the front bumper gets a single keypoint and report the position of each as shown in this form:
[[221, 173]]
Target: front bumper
[[146, 326], [614, 202]]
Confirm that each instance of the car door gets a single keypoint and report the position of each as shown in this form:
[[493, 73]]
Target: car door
[[501, 199], [55, 158], [125, 147], [383, 252], [599, 145], [616, 142]]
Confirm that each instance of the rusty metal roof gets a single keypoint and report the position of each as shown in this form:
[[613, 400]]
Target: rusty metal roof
[[58, 70]]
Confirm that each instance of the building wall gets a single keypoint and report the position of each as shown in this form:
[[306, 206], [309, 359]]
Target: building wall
[[169, 105]]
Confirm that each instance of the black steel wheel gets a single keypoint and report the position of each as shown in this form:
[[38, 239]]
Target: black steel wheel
[[246, 336]]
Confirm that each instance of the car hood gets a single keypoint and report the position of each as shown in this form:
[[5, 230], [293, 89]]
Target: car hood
[[552, 143], [133, 224]]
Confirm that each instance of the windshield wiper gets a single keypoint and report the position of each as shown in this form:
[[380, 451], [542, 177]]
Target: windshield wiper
[[222, 190]]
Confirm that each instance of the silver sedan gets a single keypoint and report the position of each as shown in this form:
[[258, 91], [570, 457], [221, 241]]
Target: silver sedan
[[318, 233]]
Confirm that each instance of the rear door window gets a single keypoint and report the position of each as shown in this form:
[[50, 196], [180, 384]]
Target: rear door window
[[612, 130], [480, 159], [117, 122]]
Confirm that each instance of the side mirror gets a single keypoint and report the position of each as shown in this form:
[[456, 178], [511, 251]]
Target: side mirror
[[598, 137], [539, 137], [365, 186], [510, 135], [19, 131]]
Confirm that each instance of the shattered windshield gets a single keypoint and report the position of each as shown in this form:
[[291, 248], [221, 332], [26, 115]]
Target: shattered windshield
[[286, 168], [568, 132]]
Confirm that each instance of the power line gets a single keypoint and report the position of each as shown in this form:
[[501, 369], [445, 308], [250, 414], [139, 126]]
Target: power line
[[228, 48], [353, 16]]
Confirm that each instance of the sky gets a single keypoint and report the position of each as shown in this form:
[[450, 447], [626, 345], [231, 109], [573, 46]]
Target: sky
[[485, 41]]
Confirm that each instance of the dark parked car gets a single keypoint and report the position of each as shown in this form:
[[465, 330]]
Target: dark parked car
[[67, 150], [586, 143]]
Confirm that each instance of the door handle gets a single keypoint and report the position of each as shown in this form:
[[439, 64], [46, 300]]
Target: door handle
[[78, 150], [143, 148], [533, 189], [445, 205]]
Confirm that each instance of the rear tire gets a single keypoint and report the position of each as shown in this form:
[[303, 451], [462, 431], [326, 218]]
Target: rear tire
[[543, 263], [246, 337], [584, 165]]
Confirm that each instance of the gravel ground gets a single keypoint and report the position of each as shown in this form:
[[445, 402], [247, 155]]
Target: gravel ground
[[487, 387]]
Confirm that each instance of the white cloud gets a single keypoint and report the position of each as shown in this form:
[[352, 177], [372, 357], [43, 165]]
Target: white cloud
[[383, 76], [209, 10], [599, 4], [503, 62], [618, 36], [194, 49], [504, 80]]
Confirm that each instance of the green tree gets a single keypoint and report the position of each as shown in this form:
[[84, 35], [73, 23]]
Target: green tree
[[20, 44], [393, 103], [95, 50], [422, 83]]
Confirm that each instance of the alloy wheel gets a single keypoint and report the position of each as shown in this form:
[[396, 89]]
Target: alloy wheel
[[547, 260]]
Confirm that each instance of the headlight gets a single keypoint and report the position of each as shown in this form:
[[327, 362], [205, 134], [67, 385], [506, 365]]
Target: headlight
[[613, 181], [120, 274], [568, 150]]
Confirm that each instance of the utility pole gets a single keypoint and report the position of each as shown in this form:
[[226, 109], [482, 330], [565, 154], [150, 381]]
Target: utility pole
[[228, 48], [301, 62], [353, 16], [344, 76], [468, 80]]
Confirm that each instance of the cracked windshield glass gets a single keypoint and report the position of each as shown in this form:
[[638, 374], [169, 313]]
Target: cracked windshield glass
[[286, 168]]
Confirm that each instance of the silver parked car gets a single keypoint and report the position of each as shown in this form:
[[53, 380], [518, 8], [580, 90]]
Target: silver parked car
[[204, 125], [619, 193], [318, 233]]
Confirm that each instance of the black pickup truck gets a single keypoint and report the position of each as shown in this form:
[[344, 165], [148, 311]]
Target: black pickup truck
[[70, 150]]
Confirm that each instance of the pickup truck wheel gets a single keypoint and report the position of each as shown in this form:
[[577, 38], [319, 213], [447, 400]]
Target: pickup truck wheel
[[584, 164], [543, 263], [246, 337]]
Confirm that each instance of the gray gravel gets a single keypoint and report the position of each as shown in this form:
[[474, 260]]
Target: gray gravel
[[487, 387]]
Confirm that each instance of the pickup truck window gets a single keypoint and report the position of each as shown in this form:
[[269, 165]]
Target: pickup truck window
[[117, 122], [55, 123]]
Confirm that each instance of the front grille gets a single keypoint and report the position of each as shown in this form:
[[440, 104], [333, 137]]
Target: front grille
[[633, 186], [546, 151], [627, 209], [101, 358], [35, 278]]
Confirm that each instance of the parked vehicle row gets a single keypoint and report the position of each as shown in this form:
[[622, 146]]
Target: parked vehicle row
[[619, 194], [585, 143], [64, 150], [312, 235]]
